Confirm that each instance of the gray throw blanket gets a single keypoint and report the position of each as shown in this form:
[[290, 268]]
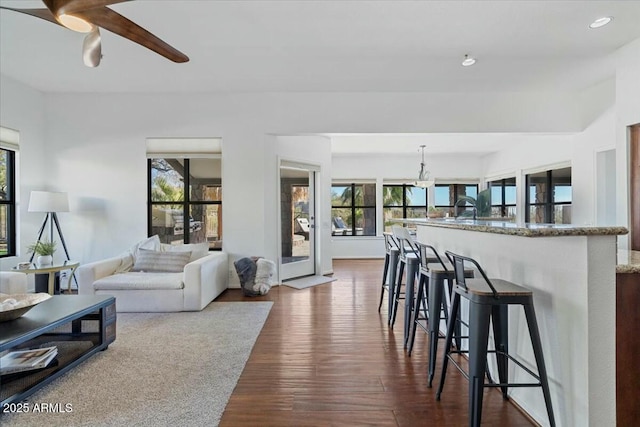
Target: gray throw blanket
[[246, 269]]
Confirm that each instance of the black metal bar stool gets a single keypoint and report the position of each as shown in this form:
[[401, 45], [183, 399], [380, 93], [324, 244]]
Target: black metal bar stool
[[489, 300], [435, 285], [392, 253], [421, 314], [409, 257]]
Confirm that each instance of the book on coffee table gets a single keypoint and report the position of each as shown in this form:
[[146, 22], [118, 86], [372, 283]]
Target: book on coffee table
[[26, 360]]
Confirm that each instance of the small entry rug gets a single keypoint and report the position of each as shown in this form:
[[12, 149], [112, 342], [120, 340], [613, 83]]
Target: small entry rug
[[307, 282]]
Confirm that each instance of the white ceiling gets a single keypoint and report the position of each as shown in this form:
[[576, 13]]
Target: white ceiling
[[329, 46]]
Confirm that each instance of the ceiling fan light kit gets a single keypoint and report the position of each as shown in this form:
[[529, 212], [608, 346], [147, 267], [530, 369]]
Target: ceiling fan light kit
[[74, 23], [87, 16]]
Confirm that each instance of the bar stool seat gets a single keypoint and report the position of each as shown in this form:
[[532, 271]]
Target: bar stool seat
[[489, 300]]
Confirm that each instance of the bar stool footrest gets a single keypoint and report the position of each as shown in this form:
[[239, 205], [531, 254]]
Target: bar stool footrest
[[492, 383]]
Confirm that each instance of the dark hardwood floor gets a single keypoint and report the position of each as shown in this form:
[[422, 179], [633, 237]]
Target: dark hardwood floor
[[326, 357]]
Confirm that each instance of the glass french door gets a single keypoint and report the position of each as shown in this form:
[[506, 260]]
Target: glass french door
[[297, 220]]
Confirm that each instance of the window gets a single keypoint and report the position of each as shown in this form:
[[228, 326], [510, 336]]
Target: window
[[548, 198], [353, 209], [403, 201], [446, 196], [503, 197], [185, 200], [7, 203]]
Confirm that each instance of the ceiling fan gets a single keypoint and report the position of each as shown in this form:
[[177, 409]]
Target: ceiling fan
[[87, 16]]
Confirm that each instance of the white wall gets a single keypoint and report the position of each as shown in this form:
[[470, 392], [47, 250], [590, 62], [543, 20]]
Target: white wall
[[528, 151], [94, 146], [579, 151], [627, 113], [606, 203], [314, 150], [396, 168], [22, 109], [599, 136]]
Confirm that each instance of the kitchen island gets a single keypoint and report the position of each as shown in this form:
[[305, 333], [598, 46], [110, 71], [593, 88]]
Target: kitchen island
[[572, 273]]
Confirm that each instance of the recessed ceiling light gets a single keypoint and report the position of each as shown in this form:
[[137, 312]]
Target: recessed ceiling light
[[601, 22], [468, 61]]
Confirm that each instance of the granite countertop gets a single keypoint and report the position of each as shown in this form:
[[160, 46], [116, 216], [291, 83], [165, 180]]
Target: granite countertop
[[628, 262], [515, 229]]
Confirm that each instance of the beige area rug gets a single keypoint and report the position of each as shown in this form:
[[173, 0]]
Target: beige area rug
[[164, 369], [307, 282]]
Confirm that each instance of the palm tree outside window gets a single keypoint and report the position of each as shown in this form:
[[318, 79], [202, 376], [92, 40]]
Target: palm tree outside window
[[353, 209], [403, 201]]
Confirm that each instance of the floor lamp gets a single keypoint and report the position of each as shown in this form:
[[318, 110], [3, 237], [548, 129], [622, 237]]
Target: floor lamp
[[50, 203]]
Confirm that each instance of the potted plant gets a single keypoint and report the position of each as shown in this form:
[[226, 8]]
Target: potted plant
[[44, 250]]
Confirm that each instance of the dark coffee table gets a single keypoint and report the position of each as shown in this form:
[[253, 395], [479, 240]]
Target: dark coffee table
[[78, 325]]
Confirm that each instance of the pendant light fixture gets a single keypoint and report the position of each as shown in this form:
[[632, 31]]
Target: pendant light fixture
[[424, 180]]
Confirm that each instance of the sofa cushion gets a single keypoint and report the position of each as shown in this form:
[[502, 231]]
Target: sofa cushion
[[156, 261], [128, 257], [135, 280], [13, 282], [198, 250]]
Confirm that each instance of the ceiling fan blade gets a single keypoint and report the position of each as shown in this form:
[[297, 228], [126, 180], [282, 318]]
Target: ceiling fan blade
[[92, 48], [38, 13], [73, 6], [118, 24]]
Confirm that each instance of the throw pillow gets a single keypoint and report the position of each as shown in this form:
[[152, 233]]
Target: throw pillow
[[198, 250], [160, 262], [129, 257]]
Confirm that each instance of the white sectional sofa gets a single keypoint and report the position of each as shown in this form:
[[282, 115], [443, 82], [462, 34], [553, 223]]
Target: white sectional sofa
[[13, 282], [201, 280]]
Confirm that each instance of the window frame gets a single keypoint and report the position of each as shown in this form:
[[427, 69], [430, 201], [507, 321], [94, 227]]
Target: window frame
[[456, 194], [503, 205], [186, 203], [405, 206], [549, 204], [10, 203], [353, 208]]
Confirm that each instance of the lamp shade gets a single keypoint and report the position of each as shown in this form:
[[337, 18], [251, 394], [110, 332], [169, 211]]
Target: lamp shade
[[48, 201]]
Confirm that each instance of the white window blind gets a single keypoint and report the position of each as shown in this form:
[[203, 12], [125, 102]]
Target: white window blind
[[184, 148], [9, 139]]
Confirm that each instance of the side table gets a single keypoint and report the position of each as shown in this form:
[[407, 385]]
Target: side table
[[51, 269]]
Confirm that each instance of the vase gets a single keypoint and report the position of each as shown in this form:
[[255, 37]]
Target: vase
[[45, 259]]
